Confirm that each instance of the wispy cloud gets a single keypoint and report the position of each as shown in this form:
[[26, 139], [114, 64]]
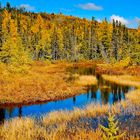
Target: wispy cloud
[[27, 7], [137, 19], [90, 6], [119, 18]]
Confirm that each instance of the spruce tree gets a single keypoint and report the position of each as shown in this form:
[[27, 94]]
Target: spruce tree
[[112, 131]]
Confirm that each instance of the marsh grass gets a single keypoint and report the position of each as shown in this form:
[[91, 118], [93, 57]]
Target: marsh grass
[[115, 69], [74, 125], [86, 80], [127, 80], [134, 96], [43, 82]]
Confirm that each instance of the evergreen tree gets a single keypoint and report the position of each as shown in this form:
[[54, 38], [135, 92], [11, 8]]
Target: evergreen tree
[[112, 131], [8, 6], [93, 49], [56, 44]]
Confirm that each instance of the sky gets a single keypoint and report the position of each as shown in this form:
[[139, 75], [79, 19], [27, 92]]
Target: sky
[[126, 11]]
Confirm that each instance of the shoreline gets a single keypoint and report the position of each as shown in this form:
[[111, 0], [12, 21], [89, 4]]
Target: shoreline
[[47, 123], [43, 83]]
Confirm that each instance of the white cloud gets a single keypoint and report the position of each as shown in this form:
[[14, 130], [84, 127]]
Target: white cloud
[[137, 19], [99, 20], [119, 18], [27, 7], [90, 6]]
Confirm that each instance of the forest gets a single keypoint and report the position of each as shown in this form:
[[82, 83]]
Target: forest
[[64, 77], [26, 36]]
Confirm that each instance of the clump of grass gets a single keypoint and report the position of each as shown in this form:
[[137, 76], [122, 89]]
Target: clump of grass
[[72, 77], [117, 69], [134, 97], [123, 79], [86, 80], [22, 129]]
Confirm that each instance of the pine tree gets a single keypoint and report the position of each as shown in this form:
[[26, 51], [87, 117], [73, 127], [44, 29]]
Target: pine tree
[[104, 34], [86, 42], [8, 6], [114, 40], [73, 44], [67, 43], [93, 47], [112, 131], [57, 44], [1, 7]]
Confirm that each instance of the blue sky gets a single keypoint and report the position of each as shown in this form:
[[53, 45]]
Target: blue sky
[[127, 11]]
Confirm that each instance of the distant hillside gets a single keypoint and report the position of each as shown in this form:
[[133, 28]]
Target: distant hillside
[[40, 36]]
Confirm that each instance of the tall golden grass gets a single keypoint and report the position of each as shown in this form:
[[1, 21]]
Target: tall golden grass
[[134, 96], [42, 82], [64, 125], [116, 69], [127, 80], [86, 80], [45, 81]]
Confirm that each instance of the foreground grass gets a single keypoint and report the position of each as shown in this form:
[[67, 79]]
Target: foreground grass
[[77, 124], [134, 96], [127, 80]]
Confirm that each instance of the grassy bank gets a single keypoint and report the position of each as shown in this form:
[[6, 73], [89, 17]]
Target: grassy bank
[[40, 82], [45, 81], [76, 124], [127, 80], [117, 69]]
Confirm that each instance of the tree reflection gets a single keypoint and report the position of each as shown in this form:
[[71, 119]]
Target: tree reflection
[[2, 115]]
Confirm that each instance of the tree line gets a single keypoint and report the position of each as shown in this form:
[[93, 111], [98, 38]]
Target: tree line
[[28, 36]]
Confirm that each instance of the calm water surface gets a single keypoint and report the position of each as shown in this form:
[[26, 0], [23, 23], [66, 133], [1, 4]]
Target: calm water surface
[[104, 93]]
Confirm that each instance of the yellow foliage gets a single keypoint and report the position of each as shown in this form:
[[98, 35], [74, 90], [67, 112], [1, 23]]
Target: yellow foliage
[[124, 63]]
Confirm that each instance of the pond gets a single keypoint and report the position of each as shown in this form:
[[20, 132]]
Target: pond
[[103, 93]]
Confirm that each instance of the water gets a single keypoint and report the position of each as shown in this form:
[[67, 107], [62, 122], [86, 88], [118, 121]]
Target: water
[[104, 93]]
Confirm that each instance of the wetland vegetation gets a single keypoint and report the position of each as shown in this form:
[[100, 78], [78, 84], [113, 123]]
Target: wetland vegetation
[[81, 107]]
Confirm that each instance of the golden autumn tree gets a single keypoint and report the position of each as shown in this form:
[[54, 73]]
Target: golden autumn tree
[[5, 53], [12, 49], [50, 36], [104, 39]]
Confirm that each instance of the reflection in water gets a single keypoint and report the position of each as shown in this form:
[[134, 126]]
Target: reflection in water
[[103, 93], [98, 97], [74, 99], [20, 111], [2, 115], [94, 94], [82, 71]]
